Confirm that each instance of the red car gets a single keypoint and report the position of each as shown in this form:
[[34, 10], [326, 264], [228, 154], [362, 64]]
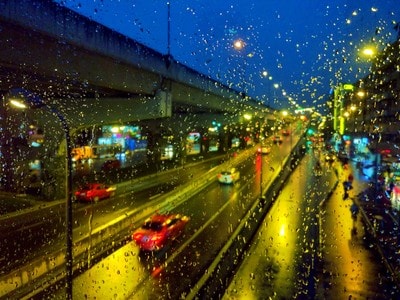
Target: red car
[[158, 230], [94, 192]]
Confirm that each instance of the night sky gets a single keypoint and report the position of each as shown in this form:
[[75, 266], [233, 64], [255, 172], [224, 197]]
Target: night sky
[[306, 47]]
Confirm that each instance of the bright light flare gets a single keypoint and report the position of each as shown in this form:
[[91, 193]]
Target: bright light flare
[[282, 230], [239, 44], [247, 117], [368, 52], [18, 103], [361, 94]]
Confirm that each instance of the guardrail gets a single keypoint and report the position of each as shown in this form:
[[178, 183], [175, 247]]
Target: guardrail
[[390, 264]]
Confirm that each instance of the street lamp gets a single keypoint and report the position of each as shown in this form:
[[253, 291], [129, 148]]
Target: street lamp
[[23, 99], [239, 44], [368, 52]]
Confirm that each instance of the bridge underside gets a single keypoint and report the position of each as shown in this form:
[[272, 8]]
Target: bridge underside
[[74, 63]]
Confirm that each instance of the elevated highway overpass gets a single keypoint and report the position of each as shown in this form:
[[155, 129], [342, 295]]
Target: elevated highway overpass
[[95, 76], [76, 63]]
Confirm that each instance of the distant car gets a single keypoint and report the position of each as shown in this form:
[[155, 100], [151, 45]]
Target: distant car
[[329, 157], [263, 149], [94, 192], [277, 139], [285, 132], [158, 230], [229, 176], [318, 169], [111, 164]]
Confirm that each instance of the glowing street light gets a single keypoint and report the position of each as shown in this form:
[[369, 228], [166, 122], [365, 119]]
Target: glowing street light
[[264, 73], [369, 52], [361, 94], [247, 117], [23, 99], [239, 44]]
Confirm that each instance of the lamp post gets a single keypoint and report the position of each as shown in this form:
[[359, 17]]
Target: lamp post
[[239, 46], [23, 99], [338, 118], [264, 74]]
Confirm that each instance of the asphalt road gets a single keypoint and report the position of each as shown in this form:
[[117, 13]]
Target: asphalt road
[[30, 233], [215, 212]]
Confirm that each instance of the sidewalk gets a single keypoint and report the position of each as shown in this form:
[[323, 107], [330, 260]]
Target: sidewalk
[[350, 267], [381, 222]]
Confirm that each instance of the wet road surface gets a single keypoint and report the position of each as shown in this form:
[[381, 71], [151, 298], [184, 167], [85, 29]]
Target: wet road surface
[[307, 247]]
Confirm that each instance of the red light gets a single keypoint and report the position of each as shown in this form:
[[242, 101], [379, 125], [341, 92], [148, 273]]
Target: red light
[[137, 236], [156, 271]]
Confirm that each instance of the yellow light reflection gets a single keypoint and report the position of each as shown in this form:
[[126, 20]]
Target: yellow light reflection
[[282, 230], [17, 103]]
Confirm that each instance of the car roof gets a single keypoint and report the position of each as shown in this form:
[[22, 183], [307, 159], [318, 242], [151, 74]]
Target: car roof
[[229, 170], [159, 218], [90, 185]]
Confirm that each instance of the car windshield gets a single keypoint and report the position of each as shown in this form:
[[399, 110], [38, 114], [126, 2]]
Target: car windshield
[[87, 187], [269, 129], [154, 226]]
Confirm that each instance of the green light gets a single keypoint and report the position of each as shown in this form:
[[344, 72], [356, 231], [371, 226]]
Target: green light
[[348, 87]]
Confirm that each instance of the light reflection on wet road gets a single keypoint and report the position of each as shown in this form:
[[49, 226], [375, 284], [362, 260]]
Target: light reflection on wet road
[[278, 265], [271, 267], [127, 273]]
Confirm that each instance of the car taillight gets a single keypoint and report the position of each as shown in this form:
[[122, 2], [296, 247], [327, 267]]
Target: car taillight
[[137, 236], [156, 238]]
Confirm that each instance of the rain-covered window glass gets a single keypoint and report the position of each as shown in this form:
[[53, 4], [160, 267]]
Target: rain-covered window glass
[[199, 149]]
